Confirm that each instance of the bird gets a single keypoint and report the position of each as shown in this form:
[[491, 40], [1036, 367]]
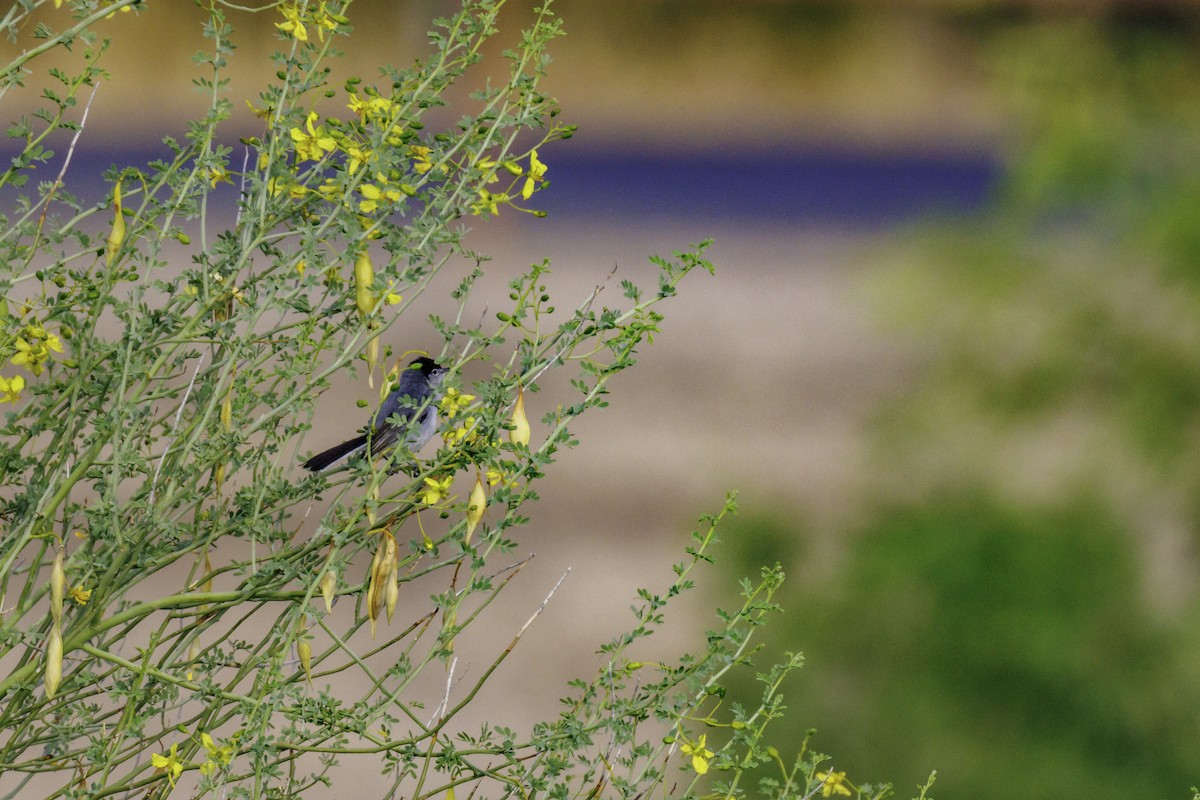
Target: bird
[[416, 393]]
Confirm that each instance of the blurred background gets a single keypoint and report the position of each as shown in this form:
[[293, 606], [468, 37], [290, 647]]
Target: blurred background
[[950, 358]]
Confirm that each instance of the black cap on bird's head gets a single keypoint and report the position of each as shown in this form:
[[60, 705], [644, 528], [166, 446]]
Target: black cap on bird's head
[[426, 365]]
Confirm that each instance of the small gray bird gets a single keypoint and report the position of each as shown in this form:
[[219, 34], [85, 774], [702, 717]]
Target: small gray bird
[[417, 393]]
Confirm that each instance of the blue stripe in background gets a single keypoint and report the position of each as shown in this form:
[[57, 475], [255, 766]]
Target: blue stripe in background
[[809, 186]]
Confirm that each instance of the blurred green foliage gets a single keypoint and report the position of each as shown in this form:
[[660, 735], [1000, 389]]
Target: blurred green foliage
[[1018, 609], [1009, 648]]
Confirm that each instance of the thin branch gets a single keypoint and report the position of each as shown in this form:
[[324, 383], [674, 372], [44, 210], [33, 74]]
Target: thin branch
[[542, 607], [175, 427], [66, 163]]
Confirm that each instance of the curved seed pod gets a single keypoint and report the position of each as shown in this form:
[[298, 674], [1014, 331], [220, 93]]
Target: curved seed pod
[[304, 650], [372, 360], [520, 432], [193, 655], [328, 587], [117, 235], [364, 277], [384, 568], [58, 583], [54, 660], [391, 589], [475, 506]]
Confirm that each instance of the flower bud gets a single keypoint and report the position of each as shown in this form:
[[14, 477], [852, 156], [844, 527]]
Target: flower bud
[[54, 660], [476, 503], [520, 431], [117, 235]]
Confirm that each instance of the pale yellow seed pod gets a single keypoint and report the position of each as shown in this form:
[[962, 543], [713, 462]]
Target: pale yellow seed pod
[[372, 495], [54, 660], [304, 650], [207, 587], [227, 411], [117, 235], [328, 587], [364, 277], [449, 618], [520, 431], [372, 360], [219, 476], [193, 655], [383, 569], [476, 503], [391, 593], [374, 589], [58, 583]]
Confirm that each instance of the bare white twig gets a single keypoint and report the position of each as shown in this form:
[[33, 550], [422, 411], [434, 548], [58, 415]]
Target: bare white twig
[[175, 427], [242, 188], [819, 786], [542, 607], [440, 711], [67, 161]]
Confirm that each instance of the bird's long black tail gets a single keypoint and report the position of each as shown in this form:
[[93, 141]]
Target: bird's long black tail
[[326, 457]]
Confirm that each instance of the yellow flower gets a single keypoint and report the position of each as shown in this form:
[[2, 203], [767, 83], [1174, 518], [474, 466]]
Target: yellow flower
[[293, 24], [358, 156], [833, 783], [169, 763], [10, 389], [488, 203], [420, 157], [463, 433], [261, 113], [33, 349], [315, 143], [217, 755], [371, 107], [699, 753], [218, 175], [494, 476], [322, 19], [537, 172], [372, 194], [488, 164], [436, 489], [80, 595], [453, 402]]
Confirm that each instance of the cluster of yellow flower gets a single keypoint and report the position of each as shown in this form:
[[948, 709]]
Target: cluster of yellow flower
[[314, 142], [34, 346], [215, 757], [297, 17]]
